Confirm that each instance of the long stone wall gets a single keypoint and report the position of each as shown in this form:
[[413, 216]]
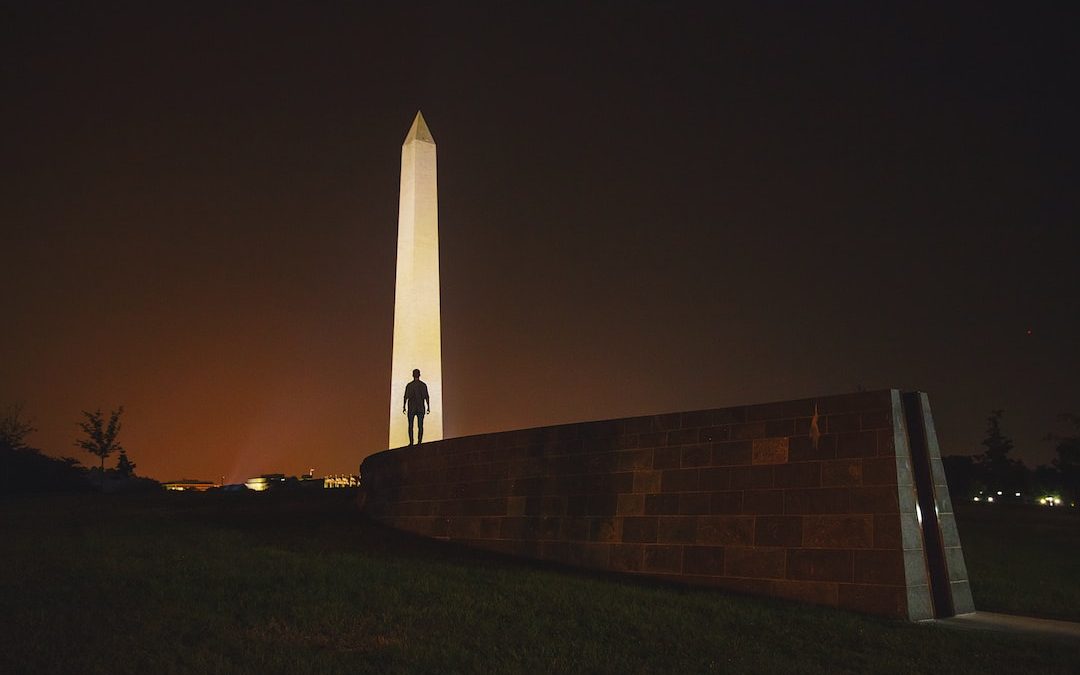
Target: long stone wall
[[765, 499]]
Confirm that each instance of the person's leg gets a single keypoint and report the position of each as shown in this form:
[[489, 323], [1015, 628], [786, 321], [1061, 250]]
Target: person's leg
[[420, 427], [411, 416]]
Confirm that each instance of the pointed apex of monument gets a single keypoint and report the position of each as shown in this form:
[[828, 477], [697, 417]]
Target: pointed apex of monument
[[419, 131]]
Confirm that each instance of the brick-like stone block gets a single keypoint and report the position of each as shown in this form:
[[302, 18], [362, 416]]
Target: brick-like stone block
[[844, 422], [548, 527], [652, 439], [659, 558], [575, 529], [732, 453], [708, 560], [714, 434], [646, 481], [515, 506], [876, 419], [841, 472], [552, 505], [592, 555], [627, 557], [680, 480], [770, 451], [752, 477], [639, 529], [464, 528], [887, 532], [662, 505], [886, 442], [819, 564], [954, 559], [763, 502], [715, 478], [605, 529], [635, 460], [779, 428], [856, 444], [683, 436], [817, 500], [876, 499], [577, 505], [910, 531], [759, 563], [747, 431], [799, 474], [601, 504], [725, 530], [630, 505], [804, 448], [838, 531], [728, 502], [778, 530], [879, 471], [676, 530], [950, 536], [696, 455], [667, 458], [695, 503]]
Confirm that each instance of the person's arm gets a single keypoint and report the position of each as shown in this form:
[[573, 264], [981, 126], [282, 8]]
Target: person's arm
[[427, 399], [405, 400]]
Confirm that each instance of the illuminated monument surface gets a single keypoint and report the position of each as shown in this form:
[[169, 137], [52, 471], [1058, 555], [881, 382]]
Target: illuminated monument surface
[[417, 330]]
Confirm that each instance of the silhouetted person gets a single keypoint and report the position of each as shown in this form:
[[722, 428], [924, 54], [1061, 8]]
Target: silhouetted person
[[416, 395]]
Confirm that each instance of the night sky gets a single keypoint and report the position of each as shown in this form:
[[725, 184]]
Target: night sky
[[643, 208]]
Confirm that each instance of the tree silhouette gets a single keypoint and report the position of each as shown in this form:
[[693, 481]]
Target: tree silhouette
[[124, 466], [101, 436], [999, 471], [14, 429], [1068, 457]]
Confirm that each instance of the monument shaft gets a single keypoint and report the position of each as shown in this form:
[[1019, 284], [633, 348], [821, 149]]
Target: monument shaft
[[417, 325]]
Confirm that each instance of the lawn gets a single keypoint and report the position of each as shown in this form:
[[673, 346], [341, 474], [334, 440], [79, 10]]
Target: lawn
[[1023, 559], [303, 584]]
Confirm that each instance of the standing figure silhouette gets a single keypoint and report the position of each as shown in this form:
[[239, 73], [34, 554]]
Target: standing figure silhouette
[[416, 396]]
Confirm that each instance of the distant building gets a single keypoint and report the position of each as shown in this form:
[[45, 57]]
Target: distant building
[[341, 481], [266, 481], [189, 485], [278, 481]]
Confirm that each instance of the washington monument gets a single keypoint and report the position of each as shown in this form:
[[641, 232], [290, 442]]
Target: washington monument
[[417, 328]]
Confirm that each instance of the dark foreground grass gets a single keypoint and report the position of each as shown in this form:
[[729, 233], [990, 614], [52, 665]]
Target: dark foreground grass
[[1023, 559], [273, 583]]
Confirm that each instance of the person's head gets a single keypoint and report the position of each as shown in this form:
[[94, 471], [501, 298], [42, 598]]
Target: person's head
[[416, 374]]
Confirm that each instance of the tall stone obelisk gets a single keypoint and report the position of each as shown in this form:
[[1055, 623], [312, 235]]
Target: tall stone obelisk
[[417, 326]]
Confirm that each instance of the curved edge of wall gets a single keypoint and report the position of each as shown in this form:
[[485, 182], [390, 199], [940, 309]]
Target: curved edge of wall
[[814, 500]]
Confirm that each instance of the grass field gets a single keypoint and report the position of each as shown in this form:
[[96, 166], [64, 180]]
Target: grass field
[[301, 584], [1023, 559]]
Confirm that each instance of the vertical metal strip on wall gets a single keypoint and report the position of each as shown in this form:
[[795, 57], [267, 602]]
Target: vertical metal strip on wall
[[933, 545]]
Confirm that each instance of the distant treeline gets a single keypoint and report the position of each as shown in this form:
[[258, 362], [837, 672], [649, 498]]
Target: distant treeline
[[993, 473], [25, 469]]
